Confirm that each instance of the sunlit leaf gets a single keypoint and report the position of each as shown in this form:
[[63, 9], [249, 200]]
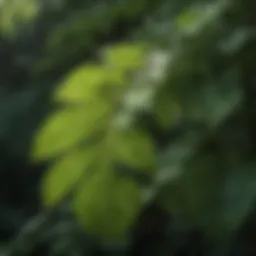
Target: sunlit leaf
[[126, 57], [107, 205], [68, 127], [83, 84], [64, 174]]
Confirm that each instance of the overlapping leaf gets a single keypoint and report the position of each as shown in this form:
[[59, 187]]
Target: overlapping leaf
[[65, 174], [107, 205], [66, 128]]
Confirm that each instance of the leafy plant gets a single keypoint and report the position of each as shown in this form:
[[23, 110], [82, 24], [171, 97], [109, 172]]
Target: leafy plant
[[86, 136], [152, 138], [101, 120]]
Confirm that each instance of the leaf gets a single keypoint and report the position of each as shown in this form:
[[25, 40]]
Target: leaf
[[167, 111], [67, 128], [82, 85], [188, 19], [192, 20], [64, 174], [238, 199], [90, 82], [212, 101], [193, 194], [217, 100], [107, 205], [135, 149], [14, 12], [125, 57]]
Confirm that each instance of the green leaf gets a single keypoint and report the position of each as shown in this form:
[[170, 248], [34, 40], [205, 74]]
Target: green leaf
[[166, 111], [64, 174], [211, 195], [107, 205], [238, 199], [188, 19], [192, 20], [90, 82], [219, 99], [125, 57], [84, 84], [135, 149], [193, 194], [13, 12], [211, 101], [67, 128]]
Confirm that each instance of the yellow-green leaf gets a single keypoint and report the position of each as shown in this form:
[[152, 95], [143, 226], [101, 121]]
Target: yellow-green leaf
[[83, 84], [68, 127], [135, 149], [64, 174], [107, 205], [126, 57]]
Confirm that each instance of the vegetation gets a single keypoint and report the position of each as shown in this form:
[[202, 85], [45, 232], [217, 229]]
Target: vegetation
[[127, 127]]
